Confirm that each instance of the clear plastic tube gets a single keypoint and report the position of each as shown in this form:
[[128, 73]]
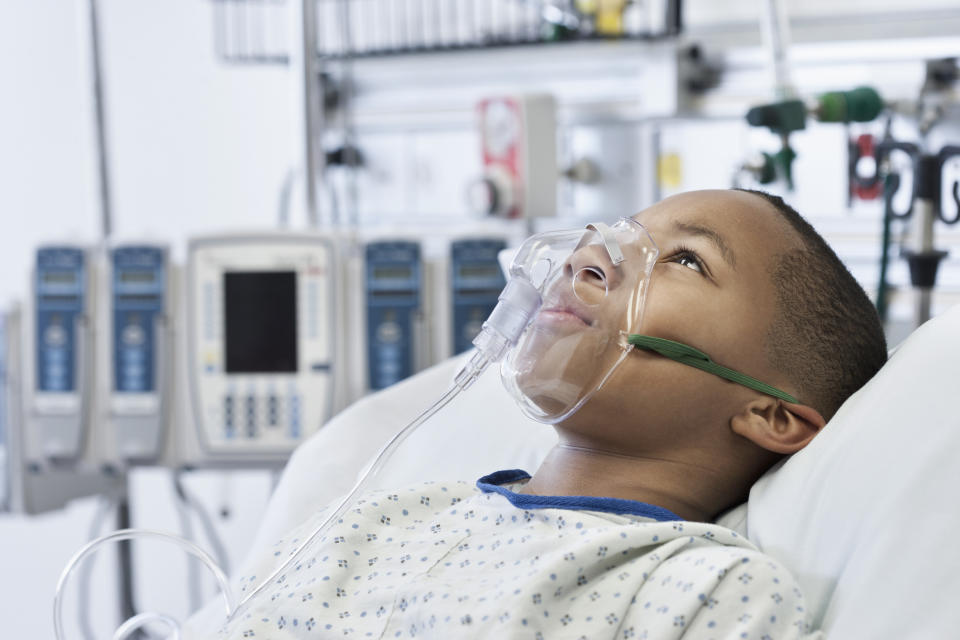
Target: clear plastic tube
[[133, 624], [136, 621]]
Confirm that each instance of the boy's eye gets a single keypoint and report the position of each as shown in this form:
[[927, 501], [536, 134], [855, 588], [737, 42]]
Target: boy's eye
[[688, 259]]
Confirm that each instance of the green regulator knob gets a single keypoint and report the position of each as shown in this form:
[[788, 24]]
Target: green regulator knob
[[779, 117], [862, 104]]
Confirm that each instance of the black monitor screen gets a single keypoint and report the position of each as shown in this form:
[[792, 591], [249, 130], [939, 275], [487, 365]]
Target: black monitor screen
[[260, 313]]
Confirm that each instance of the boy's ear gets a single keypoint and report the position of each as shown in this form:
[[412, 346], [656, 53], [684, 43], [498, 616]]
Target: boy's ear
[[778, 426]]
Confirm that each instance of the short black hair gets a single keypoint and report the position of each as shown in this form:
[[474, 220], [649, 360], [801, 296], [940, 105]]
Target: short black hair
[[826, 336]]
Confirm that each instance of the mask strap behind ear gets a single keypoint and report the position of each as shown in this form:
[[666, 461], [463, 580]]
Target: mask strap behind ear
[[685, 354]]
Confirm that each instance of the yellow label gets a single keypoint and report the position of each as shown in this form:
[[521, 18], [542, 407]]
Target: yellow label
[[670, 170], [610, 17], [588, 7]]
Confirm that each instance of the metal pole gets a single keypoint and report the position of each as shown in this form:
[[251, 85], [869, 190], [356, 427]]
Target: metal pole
[[100, 126], [312, 108], [346, 115], [923, 219], [775, 26]]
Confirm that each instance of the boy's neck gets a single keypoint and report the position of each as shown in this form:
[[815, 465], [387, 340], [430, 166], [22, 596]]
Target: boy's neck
[[689, 490]]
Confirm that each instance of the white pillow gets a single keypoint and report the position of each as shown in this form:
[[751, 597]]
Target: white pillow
[[867, 516]]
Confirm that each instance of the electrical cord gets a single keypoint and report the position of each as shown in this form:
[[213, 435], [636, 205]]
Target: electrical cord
[[186, 527], [206, 523], [105, 504]]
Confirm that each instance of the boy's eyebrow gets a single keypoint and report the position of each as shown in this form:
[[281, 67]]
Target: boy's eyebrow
[[710, 234]]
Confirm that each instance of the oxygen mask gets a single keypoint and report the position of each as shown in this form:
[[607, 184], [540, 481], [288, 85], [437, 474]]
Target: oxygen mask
[[562, 322]]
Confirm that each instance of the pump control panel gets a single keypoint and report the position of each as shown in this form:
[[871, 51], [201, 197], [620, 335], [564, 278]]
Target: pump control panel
[[394, 278], [61, 302], [476, 281], [138, 282], [261, 351]]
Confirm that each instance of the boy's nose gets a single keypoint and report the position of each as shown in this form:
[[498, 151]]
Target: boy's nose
[[592, 273]]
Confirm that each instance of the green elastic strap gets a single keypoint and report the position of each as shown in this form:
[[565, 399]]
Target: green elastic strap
[[685, 354]]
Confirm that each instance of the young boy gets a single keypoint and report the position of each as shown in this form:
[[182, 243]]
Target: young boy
[[612, 536]]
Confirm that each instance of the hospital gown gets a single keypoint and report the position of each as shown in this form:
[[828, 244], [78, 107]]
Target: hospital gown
[[450, 560]]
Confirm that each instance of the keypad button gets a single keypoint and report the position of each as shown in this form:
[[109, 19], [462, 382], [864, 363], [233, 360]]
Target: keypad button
[[133, 335], [55, 336]]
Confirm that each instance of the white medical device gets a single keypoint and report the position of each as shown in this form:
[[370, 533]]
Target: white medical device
[[50, 380], [57, 381], [262, 349], [137, 341], [518, 137]]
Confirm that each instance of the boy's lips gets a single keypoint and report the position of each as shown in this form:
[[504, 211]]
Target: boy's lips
[[567, 312]]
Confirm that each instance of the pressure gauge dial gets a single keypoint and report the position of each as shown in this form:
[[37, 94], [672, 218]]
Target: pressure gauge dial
[[501, 127]]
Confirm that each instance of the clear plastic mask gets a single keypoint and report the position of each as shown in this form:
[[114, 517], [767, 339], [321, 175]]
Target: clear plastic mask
[[593, 284]]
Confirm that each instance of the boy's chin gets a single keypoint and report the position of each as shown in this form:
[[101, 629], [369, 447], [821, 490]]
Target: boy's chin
[[551, 398]]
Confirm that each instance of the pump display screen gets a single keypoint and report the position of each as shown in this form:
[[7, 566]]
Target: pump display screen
[[59, 277], [260, 317], [392, 273], [479, 271], [137, 277]]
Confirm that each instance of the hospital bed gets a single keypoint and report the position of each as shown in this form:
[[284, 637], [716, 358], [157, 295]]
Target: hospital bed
[[865, 516]]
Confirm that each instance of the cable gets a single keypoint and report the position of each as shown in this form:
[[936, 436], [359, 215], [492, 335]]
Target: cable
[[186, 526], [105, 505], [286, 190], [216, 543]]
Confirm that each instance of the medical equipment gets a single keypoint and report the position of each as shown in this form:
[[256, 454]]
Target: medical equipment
[[925, 206], [518, 137], [250, 32], [50, 387], [394, 282], [139, 346], [862, 104], [261, 360], [58, 384], [929, 198], [476, 282]]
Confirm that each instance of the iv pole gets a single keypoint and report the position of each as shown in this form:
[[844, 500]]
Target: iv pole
[[125, 560]]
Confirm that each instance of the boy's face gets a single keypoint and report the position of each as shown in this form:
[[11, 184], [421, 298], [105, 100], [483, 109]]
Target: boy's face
[[711, 289]]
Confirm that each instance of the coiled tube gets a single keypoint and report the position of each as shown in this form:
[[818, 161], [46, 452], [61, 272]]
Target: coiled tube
[[139, 620]]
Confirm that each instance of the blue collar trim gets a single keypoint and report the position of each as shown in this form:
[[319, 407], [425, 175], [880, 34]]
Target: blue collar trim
[[619, 506]]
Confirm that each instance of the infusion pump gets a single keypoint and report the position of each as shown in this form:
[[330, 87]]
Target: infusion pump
[[259, 358], [59, 375]]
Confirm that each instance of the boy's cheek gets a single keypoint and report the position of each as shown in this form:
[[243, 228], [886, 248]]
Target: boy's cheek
[[675, 315]]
